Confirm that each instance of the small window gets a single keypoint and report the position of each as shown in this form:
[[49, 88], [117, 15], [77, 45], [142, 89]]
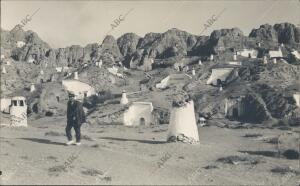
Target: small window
[[14, 102], [85, 94], [21, 103]]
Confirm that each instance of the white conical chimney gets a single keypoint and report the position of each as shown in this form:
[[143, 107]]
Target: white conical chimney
[[124, 99], [76, 75], [200, 62], [4, 70], [274, 60], [32, 87], [183, 124], [211, 57], [265, 60], [221, 88], [193, 72], [234, 57], [42, 72], [259, 44], [100, 63]]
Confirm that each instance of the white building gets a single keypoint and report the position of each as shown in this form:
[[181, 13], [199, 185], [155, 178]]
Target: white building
[[62, 69], [80, 89], [296, 54], [20, 44], [238, 63], [3, 70], [113, 70], [138, 113], [275, 53], [5, 103], [173, 79], [297, 99], [183, 123], [30, 60], [250, 53], [219, 74], [124, 99], [2, 56], [18, 111]]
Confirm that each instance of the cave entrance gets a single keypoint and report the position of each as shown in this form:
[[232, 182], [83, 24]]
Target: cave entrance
[[235, 113], [142, 121]]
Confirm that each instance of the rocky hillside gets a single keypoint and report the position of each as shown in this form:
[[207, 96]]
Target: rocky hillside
[[279, 33], [130, 46]]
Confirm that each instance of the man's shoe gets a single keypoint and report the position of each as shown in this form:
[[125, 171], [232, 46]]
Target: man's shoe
[[77, 143], [70, 142]]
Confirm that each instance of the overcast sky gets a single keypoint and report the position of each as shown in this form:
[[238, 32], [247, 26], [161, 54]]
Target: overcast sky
[[64, 23]]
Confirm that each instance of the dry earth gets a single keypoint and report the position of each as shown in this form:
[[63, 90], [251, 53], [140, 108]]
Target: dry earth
[[115, 154]]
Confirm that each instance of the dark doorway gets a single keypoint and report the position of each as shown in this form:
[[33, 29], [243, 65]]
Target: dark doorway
[[249, 55], [35, 108], [219, 82], [57, 98], [142, 121], [235, 113]]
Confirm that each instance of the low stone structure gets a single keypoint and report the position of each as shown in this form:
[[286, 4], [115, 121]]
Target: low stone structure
[[138, 113]]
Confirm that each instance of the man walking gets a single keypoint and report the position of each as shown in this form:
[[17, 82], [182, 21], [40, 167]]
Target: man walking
[[75, 118]]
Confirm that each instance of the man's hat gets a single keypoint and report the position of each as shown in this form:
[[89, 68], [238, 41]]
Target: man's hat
[[71, 94]]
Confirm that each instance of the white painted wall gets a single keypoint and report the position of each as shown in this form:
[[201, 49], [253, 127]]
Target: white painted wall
[[296, 54], [246, 52], [218, 73], [297, 99], [18, 112], [61, 69], [234, 63], [78, 88], [275, 53], [183, 121], [163, 83], [113, 70], [136, 111], [4, 105], [20, 44], [3, 70]]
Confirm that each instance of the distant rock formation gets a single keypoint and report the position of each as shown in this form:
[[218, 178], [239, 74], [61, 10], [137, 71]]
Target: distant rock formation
[[286, 33], [131, 49]]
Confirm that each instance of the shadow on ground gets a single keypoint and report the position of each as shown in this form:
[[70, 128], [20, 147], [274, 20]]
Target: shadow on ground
[[263, 153], [141, 141], [45, 141]]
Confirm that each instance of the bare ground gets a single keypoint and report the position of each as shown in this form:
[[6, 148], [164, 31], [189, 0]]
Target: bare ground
[[115, 154]]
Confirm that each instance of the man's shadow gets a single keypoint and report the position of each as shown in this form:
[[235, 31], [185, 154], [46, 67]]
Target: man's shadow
[[45, 141], [140, 141]]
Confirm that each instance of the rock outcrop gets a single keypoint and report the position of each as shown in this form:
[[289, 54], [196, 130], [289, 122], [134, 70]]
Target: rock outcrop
[[279, 33]]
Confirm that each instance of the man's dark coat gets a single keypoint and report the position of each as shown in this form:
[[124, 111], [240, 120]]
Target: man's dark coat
[[75, 113]]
